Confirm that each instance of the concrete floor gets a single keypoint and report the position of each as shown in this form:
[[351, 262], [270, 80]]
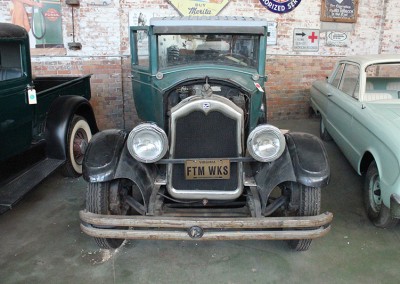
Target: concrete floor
[[40, 241]]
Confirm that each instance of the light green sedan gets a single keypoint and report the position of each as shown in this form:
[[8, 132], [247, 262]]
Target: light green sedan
[[359, 105]]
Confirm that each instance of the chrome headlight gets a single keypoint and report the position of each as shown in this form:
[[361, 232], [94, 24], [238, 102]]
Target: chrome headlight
[[147, 143], [266, 143]]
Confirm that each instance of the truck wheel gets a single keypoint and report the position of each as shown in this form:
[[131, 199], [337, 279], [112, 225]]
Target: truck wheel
[[323, 133], [310, 204], [377, 212], [98, 202], [79, 135]]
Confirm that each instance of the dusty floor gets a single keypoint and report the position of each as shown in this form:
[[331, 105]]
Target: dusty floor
[[40, 242]]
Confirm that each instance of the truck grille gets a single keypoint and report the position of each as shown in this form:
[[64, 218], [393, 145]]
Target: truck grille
[[200, 134]]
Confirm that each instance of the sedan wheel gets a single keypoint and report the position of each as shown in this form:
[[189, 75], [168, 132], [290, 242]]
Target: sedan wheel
[[377, 212]]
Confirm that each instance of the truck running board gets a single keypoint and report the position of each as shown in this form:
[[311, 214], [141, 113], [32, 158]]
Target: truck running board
[[17, 187]]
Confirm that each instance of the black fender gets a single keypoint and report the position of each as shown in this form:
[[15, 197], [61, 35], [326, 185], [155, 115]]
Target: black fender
[[304, 160], [60, 114], [309, 159], [107, 158]]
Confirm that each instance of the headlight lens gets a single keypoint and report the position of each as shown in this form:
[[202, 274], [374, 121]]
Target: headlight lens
[[147, 143], [266, 143]]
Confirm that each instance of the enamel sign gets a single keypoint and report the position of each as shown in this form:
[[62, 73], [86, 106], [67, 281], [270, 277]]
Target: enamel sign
[[280, 6], [305, 40], [199, 7], [337, 39]]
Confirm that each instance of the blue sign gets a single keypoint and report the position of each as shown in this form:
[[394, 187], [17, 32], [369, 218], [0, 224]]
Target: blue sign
[[280, 6]]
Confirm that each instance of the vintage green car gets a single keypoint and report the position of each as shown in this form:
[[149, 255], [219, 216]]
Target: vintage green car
[[204, 164], [360, 109]]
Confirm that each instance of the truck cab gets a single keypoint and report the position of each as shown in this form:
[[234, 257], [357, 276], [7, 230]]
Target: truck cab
[[204, 164], [44, 121]]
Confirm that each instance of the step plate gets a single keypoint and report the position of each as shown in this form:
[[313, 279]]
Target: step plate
[[14, 190]]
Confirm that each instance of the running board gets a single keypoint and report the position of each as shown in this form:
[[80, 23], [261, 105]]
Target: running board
[[15, 189]]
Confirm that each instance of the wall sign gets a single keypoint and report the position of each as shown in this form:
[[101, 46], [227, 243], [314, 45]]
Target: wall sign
[[280, 6], [271, 36], [198, 7], [344, 11], [305, 40], [337, 39]]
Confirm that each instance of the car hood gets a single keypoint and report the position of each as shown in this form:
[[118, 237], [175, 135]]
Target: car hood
[[238, 76]]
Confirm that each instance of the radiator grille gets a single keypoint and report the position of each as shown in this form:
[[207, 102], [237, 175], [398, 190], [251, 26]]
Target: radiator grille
[[200, 135]]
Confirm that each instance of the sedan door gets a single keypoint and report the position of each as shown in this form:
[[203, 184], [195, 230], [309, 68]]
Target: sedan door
[[343, 103]]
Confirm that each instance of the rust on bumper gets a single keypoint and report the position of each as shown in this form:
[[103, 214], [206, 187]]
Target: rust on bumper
[[178, 228]]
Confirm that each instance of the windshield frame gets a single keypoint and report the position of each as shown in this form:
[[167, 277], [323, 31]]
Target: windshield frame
[[229, 49]]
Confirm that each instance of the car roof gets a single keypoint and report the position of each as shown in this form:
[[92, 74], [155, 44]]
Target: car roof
[[12, 31], [209, 24], [209, 21], [366, 60]]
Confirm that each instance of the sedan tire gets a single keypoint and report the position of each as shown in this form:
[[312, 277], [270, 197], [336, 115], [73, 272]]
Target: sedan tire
[[377, 212]]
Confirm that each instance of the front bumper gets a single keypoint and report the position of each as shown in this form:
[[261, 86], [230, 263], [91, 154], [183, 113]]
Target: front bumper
[[178, 228]]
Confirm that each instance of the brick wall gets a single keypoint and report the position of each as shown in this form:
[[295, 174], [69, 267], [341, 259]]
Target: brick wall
[[103, 33]]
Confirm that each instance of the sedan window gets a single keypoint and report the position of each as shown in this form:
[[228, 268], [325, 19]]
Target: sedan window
[[338, 76], [350, 80]]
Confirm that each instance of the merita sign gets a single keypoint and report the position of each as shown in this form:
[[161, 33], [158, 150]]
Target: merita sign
[[199, 7]]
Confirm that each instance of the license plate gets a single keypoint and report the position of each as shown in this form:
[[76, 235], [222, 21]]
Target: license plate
[[207, 169]]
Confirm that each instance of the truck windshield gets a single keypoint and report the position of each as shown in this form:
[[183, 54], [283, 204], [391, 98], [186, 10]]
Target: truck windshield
[[239, 50]]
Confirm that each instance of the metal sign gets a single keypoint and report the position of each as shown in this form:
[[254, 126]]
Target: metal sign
[[280, 6], [337, 39], [198, 7], [271, 36], [305, 40]]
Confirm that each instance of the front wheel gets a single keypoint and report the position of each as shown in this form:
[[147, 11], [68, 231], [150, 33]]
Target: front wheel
[[377, 212], [79, 135], [310, 205], [98, 200]]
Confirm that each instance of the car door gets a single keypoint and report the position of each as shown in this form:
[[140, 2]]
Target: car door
[[16, 114], [343, 103], [143, 66]]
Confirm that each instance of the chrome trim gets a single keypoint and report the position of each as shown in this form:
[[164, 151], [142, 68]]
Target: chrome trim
[[206, 104]]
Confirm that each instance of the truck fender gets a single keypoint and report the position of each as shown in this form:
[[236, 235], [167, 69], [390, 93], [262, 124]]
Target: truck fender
[[309, 159], [107, 158], [61, 112]]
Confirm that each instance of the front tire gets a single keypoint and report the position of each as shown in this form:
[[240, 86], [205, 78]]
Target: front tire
[[79, 135], [98, 202], [310, 205], [377, 212]]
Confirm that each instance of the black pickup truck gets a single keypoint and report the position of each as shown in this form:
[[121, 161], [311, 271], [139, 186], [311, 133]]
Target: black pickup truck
[[45, 123]]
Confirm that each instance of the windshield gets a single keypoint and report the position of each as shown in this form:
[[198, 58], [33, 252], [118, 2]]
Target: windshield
[[239, 50]]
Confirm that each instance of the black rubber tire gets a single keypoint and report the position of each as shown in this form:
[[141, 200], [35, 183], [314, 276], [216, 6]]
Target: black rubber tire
[[323, 132], [377, 212], [97, 201], [310, 205], [78, 137]]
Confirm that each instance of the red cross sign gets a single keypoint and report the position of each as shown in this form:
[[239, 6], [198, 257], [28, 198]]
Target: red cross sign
[[305, 40]]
